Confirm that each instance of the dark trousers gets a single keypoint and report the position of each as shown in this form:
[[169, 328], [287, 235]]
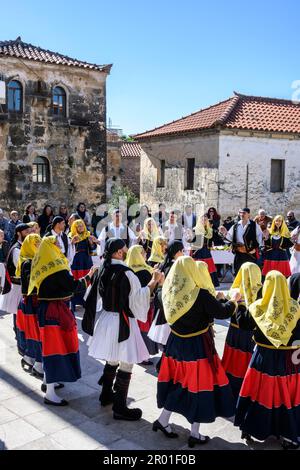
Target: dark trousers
[[241, 258]]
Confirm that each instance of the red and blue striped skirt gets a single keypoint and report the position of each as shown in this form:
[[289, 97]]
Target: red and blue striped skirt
[[237, 355], [277, 259], [192, 381], [28, 331], [60, 349], [269, 401]]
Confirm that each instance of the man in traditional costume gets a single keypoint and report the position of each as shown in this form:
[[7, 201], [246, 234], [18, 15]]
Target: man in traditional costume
[[116, 337]]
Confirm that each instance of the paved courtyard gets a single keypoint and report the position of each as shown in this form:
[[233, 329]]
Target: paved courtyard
[[26, 423]]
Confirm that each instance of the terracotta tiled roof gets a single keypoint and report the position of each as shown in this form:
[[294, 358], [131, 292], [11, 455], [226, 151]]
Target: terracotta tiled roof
[[131, 149], [238, 112], [25, 51]]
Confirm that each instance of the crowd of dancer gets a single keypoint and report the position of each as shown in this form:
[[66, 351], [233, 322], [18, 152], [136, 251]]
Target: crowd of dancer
[[154, 290]]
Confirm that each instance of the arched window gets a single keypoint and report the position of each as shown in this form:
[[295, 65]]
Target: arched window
[[59, 101], [14, 96], [40, 170]]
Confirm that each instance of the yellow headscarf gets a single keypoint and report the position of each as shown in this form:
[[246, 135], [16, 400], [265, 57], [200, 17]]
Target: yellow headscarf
[[276, 314], [135, 260], [157, 255], [248, 282], [283, 232], [181, 288], [48, 260], [206, 282], [29, 248], [74, 230], [204, 229], [155, 231]]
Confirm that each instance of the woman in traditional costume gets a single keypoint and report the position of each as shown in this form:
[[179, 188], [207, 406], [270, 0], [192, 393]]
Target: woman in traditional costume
[[82, 261], [28, 332], [192, 381], [279, 241], [269, 401], [158, 251], [136, 260], [160, 329], [50, 276], [204, 233], [148, 234], [239, 343]]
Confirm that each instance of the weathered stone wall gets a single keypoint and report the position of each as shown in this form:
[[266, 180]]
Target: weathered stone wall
[[130, 173], [114, 144], [75, 145], [175, 151], [236, 151]]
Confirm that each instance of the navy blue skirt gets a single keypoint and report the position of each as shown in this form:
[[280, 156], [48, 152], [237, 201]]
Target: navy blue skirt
[[192, 381], [269, 401]]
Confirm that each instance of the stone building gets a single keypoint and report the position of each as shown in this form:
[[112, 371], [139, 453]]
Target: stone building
[[52, 128], [244, 151], [130, 166]]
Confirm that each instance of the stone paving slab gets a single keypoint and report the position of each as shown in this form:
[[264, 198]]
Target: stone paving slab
[[26, 423]]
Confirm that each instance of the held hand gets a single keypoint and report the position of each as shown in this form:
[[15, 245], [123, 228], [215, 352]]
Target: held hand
[[156, 276], [220, 296], [236, 297], [162, 279], [93, 239], [75, 239], [92, 271]]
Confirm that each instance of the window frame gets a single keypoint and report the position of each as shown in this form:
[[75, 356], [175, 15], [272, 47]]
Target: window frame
[[281, 185], [9, 90], [190, 174], [64, 95], [44, 165], [160, 180]]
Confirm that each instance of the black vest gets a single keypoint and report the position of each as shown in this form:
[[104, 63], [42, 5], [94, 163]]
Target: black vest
[[11, 268], [249, 236], [65, 241]]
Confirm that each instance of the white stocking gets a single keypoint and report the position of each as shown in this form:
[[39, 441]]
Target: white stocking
[[38, 366], [165, 418], [51, 395], [195, 430]]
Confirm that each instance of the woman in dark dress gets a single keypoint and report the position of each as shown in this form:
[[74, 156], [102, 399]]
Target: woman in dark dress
[[269, 400], [239, 343], [192, 381], [276, 246], [45, 219], [148, 234], [204, 234], [50, 276]]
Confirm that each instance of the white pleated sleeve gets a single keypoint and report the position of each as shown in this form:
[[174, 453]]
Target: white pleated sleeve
[[139, 297]]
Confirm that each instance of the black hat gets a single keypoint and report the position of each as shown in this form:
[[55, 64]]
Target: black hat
[[21, 227], [112, 245], [245, 209]]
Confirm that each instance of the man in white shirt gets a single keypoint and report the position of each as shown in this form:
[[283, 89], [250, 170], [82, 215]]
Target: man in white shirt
[[116, 229], [189, 219], [66, 245], [246, 238]]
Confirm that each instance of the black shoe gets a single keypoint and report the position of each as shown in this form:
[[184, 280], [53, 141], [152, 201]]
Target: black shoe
[[246, 436], [37, 374], [157, 425], [26, 366], [54, 403], [120, 410], [192, 441], [106, 380], [57, 387], [287, 445]]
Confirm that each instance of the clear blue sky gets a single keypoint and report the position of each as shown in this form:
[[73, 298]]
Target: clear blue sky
[[170, 57]]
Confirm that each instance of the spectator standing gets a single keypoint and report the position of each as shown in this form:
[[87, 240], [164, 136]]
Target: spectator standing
[[13, 222], [162, 215], [29, 214], [4, 224], [45, 219], [84, 214], [291, 221]]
